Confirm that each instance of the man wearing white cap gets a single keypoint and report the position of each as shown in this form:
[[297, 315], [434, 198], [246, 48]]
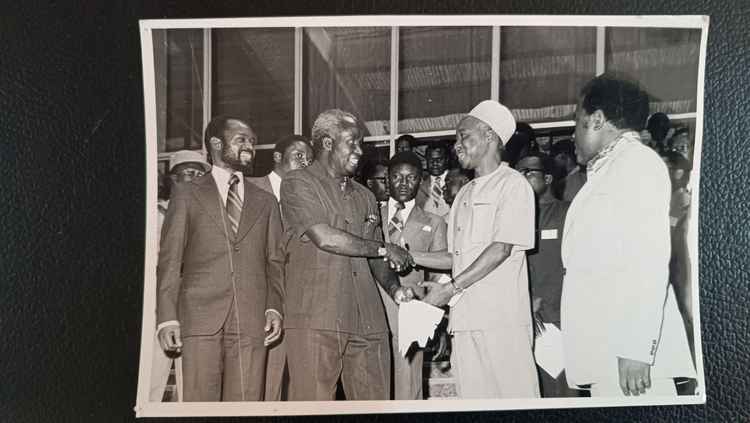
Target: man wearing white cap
[[490, 226], [184, 166]]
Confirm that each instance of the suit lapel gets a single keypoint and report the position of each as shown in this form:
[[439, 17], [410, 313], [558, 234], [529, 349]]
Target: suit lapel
[[208, 196], [251, 210], [414, 224]]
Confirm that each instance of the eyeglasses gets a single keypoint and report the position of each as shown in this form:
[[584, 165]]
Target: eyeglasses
[[193, 173], [528, 172]]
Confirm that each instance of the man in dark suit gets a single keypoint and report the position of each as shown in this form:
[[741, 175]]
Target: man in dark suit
[[219, 273], [405, 223], [430, 195], [291, 152], [336, 325]]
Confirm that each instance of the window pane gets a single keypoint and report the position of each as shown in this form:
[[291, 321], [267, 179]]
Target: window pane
[[253, 79], [178, 60], [542, 70], [663, 60], [443, 73], [348, 69]]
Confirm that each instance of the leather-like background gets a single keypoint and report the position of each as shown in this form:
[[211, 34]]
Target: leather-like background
[[73, 190]]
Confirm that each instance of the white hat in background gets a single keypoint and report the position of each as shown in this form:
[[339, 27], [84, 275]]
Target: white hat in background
[[188, 156], [497, 116]]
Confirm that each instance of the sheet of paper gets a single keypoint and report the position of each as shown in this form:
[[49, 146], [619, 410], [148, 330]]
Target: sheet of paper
[[548, 350], [417, 321]]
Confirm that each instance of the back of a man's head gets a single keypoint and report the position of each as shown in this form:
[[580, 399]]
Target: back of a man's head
[[622, 101]]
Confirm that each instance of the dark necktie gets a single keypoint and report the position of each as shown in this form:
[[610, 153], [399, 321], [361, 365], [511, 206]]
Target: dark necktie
[[234, 204], [396, 224]]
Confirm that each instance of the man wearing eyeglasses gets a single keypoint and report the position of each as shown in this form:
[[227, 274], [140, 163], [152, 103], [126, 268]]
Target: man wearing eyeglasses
[[545, 265], [374, 175], [184, 166]]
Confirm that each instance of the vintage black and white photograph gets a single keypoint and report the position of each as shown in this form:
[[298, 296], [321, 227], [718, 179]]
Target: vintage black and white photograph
[[380, 214]]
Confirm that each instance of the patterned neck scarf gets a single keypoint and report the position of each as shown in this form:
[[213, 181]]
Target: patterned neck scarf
[[605, 154]]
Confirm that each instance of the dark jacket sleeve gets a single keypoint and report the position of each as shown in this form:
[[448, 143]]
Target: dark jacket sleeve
[[275, 261], [171, 248]]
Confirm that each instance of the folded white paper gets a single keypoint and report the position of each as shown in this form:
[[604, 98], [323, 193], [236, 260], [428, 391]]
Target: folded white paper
[[548, 350], [417, 321]]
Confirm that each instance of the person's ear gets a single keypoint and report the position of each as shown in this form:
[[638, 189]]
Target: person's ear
[[276, 157], [215, 143], [597, 119], [328, 143], [369, 183], [173, 177], [547, 179]]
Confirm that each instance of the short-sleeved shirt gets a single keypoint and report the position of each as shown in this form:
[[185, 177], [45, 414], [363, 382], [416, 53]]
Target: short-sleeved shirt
[[498, 207], [545, 262], [328, 291]]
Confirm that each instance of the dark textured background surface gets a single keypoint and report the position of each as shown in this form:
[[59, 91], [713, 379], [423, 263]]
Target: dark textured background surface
[[73, 191]]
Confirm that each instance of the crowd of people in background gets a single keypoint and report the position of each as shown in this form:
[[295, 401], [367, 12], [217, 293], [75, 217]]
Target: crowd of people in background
[[287, 286]]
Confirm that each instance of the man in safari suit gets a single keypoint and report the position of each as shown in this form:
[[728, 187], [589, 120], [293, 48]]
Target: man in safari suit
[[219, 292], [407, 224]]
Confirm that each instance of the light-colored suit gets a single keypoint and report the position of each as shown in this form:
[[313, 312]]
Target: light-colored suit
[[423, 231], [616, 301]]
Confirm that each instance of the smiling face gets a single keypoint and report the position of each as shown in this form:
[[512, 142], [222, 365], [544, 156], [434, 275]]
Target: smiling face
[[238, 146], [403, 182], [472, 142], [346, 152]]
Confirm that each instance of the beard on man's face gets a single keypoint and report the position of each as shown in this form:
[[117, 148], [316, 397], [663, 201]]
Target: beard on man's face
[[241, 160]]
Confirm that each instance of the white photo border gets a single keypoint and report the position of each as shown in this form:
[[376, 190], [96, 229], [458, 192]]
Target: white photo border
[[146, 408]]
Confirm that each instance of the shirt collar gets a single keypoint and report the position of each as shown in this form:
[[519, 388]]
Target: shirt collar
[[222, 175], [221, 178], [603, 156], [442, 176], [343, 184], [408, 207]]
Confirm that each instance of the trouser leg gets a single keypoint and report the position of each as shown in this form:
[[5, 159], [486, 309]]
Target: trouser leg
[[202, 367], [314, 360], [494, 363], [366, 364]]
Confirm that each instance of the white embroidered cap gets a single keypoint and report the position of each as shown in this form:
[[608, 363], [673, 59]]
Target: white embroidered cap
[[497, 116]]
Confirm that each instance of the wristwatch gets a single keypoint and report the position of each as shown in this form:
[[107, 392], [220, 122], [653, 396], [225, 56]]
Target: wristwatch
[[382, 251], [456, 288]]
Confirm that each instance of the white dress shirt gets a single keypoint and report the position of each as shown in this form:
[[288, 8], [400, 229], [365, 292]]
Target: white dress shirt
[[408, 206], [221, 178], [275, 181]]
